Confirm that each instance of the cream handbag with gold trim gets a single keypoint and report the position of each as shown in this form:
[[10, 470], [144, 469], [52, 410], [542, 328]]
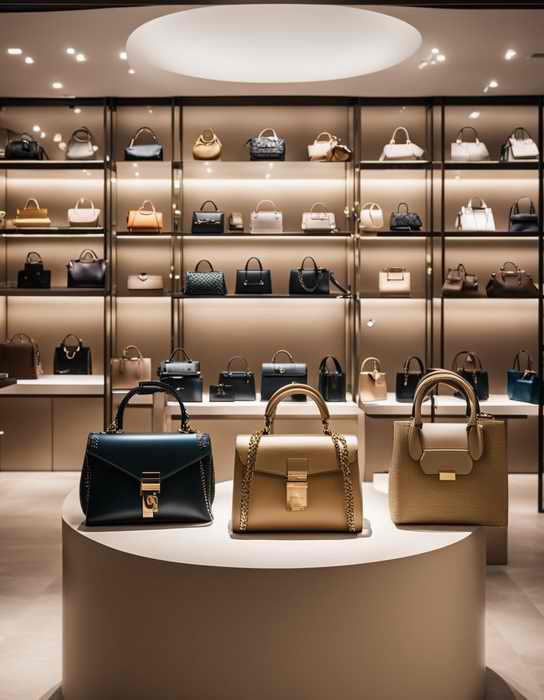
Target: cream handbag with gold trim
[[296, 483], [449, 473], [373, 382]]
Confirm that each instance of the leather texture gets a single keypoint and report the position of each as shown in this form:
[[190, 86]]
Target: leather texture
[[20, 357], [207, 146], [510, 282], [72, 358], [475, 216], [263, 221], [520, 146], [523, 221], [523, 384], [152, 151], [305, 281], [322, 146], [372, 382], [257, 281], [401, 151], [87, 272], [144, 282], [24, 147], [395, 282], [206, 222], [130, 369], [266, 146], [468, 151], [242, 381], [332, 382], [145, 218], [207, 284], [469, 366], [319, 219], [87, 217], [275, 375], [405, 220], [81, 145], [460, 283], [407, 380], [221, 393], [32, 215], [34, 275], [183, 376]]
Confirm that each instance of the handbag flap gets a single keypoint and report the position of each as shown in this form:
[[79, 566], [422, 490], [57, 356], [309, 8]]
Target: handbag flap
[[274, 451], [188, 369], [445, 449], [284, 369]]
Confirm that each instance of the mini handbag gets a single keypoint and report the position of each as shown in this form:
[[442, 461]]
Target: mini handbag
[[394, 281], [207, 146], [405, 220], [236, 222], [147, 478], [322, 146], [270, 147], [520, 146], [84, 216], [241, 382], [401, 151], [221, 392], [511, 282], [472, 371], [209, 284], [32, 215], [275, 375], [72, 359], [475, 216], [460, 283], [81, 145], [152, 151], [449, 473], [253, 281], [371, 217], [143, 282], [20, 357], [208, 222], [34, 276], [523, 384], [87, 271], [332, 384], [184, 377], [296, 483], [372, 383], [314, 280], [407, 380], [323, 221], [523, 221], [24, 147], [130, 369], [145, 218], [466, 151], [266, 220]]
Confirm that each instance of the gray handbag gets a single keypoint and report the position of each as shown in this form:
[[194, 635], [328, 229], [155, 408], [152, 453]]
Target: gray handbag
[[150, 151], [205, 284], [81, 145]]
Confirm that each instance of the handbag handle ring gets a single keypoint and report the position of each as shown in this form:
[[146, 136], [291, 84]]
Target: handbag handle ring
[[459, 138], [34, 201], [517, 361], [323, 206], [470, 357], [88, 253], [36, 255], [83, 200], [417, 360]]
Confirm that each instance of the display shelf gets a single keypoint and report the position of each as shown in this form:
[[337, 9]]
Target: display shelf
[[58, 292], [395, 235], [146, 234], [58, 385], [53, 232], [395, 164], [497, 405], [289, 236], [51, 165], [491, 165], [298, 297], [5, 383]]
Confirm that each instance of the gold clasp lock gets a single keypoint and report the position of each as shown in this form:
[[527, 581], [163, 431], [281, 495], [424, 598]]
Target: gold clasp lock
[[297, 484], [447, 476], [150, 488]]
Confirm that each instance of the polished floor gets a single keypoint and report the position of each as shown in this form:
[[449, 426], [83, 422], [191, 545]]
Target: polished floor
[[30, 593]]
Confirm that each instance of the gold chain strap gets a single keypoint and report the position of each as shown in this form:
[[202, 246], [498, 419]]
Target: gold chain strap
[[248, 477], [342, 456]]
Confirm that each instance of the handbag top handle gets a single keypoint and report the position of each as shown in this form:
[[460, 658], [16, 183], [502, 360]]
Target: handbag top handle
[[323, 364], [82, 200], [516, 364], [31, 254], [81, 135], [520, 132], [405, 132], [377, 366], [469, 357], [137, 355], [268, 128], [183, 352], [22, 338], [327, 134], [208, 136], [87, 253], [72, 335], [144, 130], [23, 136], [515, 206], [459, 137], [283, 393], [471, 205], [403, 204], [266, 201], [147, 211], [209, 201], [34, 202], [234, 358], [282, 352], [144, 388], [204, 260], [371, 206], [408, 363], [323, 206], [315, 265], [259, 263], [317, 273], [510, 268]]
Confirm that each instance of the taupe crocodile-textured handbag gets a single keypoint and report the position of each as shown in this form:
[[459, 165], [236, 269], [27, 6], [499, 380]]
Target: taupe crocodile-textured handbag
[[296, 483], [449, 473]]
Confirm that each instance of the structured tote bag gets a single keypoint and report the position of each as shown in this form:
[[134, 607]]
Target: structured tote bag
[[152, 151], [240, 381], [401, 151], [145, 218], [24, 147], [266, 146], [266, 220], [407, 380], [520, 146], [32, 215], [405, 220], [449, 473], [257, 281], [313, 280], [275, 375], [34, 275], [465, 151], [206, 221], [372, 382], [296, 483], [510, 282], [81, 145], [147, 478], [371, 217], [319, 219], [87, 271], [184, 376], [207, 284], [475, 216], [394, 282], [460, 283], [20, 357], [332, 382], [207, 146], [523, 221], [86, 217], [471, 369], [72, 359], [322, 146], [130, 369], [523, 384]]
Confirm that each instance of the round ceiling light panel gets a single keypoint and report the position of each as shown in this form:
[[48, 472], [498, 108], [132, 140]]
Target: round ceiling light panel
[[273, 43]]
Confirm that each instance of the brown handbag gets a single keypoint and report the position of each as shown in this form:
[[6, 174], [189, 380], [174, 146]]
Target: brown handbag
[[449, 473], [373, 383], [296, 483], [130, 369], [20, 357], [146, 218], [32, 215]]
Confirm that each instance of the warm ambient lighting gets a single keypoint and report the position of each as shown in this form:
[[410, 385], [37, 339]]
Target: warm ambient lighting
[[56, 85], [36, 128], [29, 60], [15, 52], [474, 115], [510, 54], [432, 59], [57, 138], [43, 135], [77, 110], [70, 51], [131, 71], [123, 55], [81, 58], [492, 84]]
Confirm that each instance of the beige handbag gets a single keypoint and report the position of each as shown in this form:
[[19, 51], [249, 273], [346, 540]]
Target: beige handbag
[[84, 216], [371, 217], [296, 483], [32, 215], [207, 146], [130, 369], [373, 382], [394, 282], [322, 146], [142, 282], [146, 218], [449, 473]]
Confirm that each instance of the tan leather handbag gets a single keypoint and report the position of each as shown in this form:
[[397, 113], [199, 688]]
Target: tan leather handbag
[[146, 218], [449, 473], [32, 215], [20, 357], [373, 382], [130, 369], [144, 282], [296, 483], [207, 146]]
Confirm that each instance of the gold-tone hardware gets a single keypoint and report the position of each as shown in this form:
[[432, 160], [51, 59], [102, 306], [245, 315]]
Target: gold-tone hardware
[[447, 476], [150, 488], [297, 484]]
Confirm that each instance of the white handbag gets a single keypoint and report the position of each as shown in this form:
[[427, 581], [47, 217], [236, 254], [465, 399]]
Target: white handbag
[[81, 145], [520, 146], [464, 151], [266, 220], [323, 220], [84, 216], [475, 217], [322, 146], [401, 151], [142, 281], [371, 216], [394, 281]]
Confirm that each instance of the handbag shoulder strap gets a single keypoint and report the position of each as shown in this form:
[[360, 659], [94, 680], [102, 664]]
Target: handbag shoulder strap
[[234, 358], [377, 367], [257, 260], [510, 268], [71, 335], [33, 254], [208, 136], [282, 352], [266, 201], [323, 364], [526, 197], [268, 128], [408, 363], [183, 352], [470, 203], [209, 201], [144, 130], [204, 260], [404, 130]]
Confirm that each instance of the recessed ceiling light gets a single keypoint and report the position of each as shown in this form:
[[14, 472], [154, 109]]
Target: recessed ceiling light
[[15, 52], [56, 85], [474, 115], [70, 51], [81, 58], [29, 60], [77, 110], [123, 55], [510, 54], [57, 138], [43, 134], [36, 128]]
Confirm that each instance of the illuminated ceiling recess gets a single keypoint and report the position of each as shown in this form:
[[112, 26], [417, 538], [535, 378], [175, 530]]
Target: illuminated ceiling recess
[[272, 43]]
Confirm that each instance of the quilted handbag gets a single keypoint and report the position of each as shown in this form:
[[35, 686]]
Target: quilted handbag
[[130, 369], [72, 359], [24, 147], [34, 275], [266, 147], [151, 151], [523, 221], [146, 218], [241, 381], [373, 382], [523, 384], [460, 283], [332, 383], [407, 380], [511, 282], [207, 222], [184, 376], [257, 281], [475, 216], [20, 357], [32, 215], [401, 151], [323, 221], [207, 146], [296, 483], [314, 280], [86, 217], [266, 220], [275, 375], [147, 478], [394, 282], [520, 146], [87, 271], [472, 371], [371, 217], [206, 284], [322, 146], [465, 151], [81, 145], [449, 473], [143, 282], [405, 220]]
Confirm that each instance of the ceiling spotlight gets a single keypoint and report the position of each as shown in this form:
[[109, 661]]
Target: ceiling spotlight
[[29, 60], [435, 51], [56, 85], [131, 71], [36, 128], [43, 134], [440, 58], [77, 110], [57, 138], [70, 51], [123, 55], [81, 58], [15, 52], [510, 54], [474, 115]]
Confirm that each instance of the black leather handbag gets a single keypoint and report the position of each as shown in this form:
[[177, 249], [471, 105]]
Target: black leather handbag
[[511, 283], [147, 478], [87, 272], [72, 359], [140, 151], [208, 222], [472, 370], [221, 392], [407, 380], [270, 147], [241, 381], [314, 280], [460, 283], [253, 281], [405, 220], [184, 377], [24, 147], [523, 384], [332, 385], [523, 221], [205, 284], [275, 375], [34, 276]]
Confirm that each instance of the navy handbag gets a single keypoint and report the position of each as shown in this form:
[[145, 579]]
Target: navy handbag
[[523, 384]]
